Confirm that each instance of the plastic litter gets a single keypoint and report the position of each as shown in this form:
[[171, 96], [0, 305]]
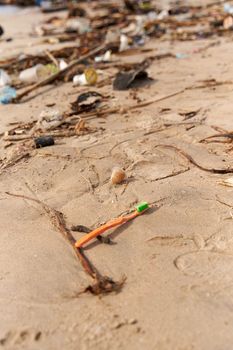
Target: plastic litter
[[80, 25], [38, 72], [228, 8], [49, 69], [140, 209], [79, 79], [4, 78], [86, 101], [180, 55], [105, 58], [89, 77], [124, 43], [44, 141], [49, 119], [62, 64], [125, 80], [31, 75], [7, 94]]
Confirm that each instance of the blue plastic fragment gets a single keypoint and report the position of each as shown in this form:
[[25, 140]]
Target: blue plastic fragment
[[228, 8], [7, 94], [181, 55]]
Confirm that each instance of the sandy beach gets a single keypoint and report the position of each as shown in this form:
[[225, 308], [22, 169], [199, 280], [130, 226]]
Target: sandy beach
[[176, 259]]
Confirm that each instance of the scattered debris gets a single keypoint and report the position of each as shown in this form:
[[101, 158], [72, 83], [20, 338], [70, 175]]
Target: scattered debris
[[124, 43], [86, 102], [95, 38], [44, 141], [105, 58], [89, 77], [4, 78], [7, 94], [125, 80], [32, 75], [49, 119], [140, 209], [61, 73], [228, 8], [63, 64], [84, 229]]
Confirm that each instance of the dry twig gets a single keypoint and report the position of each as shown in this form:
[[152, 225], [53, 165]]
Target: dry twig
[[102, 284], [192, 161]]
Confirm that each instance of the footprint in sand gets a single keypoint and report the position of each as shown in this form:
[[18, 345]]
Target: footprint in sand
[[23, 337], [213, 271]]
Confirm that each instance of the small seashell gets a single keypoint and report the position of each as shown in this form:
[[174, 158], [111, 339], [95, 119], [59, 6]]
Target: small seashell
[[118, 175]]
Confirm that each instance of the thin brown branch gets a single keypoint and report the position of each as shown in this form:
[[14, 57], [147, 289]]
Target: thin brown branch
[[102, 284], [194, 162], [227, 135], [109, 111], [52, 58], [57, 219]]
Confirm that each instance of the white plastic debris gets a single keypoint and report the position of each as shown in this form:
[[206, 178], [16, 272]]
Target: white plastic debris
[[104, 58], [81, 25], [163, 14], [31, 75], [124, 43], [4, 78], [49, 119], [130, 29], [80, 79], [63, 65], [140, 23], [228, 8], [89, 77]]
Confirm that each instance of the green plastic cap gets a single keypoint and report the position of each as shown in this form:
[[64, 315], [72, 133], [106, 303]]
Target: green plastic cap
[[142, 206]]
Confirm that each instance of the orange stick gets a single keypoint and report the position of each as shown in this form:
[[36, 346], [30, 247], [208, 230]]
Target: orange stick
[[113, 223]]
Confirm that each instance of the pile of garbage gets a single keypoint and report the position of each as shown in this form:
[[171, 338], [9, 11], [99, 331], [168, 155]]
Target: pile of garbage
[[98, 35]]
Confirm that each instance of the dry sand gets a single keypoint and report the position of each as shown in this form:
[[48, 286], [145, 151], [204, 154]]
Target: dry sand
[[178, 259]]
